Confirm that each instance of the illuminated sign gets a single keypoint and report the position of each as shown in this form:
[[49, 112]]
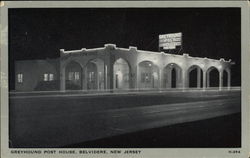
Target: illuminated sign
[[170, 41]]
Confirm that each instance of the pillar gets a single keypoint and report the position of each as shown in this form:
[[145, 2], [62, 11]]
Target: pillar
[[184, 79], [204, 80], [220, 79], [188, 79], [133, 77], [110, 76], [138, 74], [84, 76], [62, 79], [160, 78], [98, 80], [109, 60], [208, 79], [105, 77], [198, 78]]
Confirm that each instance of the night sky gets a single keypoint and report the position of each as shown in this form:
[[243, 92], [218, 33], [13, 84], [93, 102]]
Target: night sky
[[207, 32]]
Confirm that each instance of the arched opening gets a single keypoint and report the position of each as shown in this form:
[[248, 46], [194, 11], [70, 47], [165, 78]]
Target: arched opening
[[173, 80], [91, 76], [195, 77], [121, 74], [172, 76], [148, 75], [94, 75], [73, 76], [212, 77], [225, 78]]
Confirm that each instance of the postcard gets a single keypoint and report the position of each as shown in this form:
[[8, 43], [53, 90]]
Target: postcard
[[125, 79]]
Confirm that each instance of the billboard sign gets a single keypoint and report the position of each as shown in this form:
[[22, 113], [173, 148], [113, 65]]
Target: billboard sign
[[170, 41]]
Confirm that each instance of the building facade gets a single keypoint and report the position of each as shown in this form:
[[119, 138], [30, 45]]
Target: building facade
[[116, 68]]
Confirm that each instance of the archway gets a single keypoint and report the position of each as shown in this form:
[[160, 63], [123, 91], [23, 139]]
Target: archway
[[121, 74], [195, 77], [212, 77], [148, 75], [173, 80], [73, 76], [172, 76], [225, 78], [94, 75]]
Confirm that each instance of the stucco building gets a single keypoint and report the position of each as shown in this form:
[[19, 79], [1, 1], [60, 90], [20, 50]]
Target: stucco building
[[110, 67]]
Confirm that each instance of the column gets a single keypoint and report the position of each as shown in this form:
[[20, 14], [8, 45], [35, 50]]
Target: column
[[138, 74], [62, 79], [160, 78], [220, 79], [83, 79], [229, 79], [110, 76], [198, 78], [134, 78], [99, 73], [184, 79], [204, 80], [105, 76], [98, 80], [208, 79]]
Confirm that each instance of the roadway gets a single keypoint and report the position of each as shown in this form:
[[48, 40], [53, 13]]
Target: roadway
[[52, 121]]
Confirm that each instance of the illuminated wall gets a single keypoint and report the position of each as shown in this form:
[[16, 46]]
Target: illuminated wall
[[110, 67]]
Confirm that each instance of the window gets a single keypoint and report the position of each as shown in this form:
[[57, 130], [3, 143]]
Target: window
[[147, 77], [74, 76], [20, 78], [51, 77], [91, 76], [77, 75], [71, 76], [48, 77], [45, 77]]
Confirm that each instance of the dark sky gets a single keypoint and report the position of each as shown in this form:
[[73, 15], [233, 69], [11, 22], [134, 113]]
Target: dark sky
[[207, 32]]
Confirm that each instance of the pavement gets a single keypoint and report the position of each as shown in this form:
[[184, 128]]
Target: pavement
[[216, 132], [52, 121]]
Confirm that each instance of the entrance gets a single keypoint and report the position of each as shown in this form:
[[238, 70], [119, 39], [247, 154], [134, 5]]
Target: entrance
[[173, 79]]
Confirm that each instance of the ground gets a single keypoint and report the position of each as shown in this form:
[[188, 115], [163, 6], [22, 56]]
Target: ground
[[219, 132], [63, 119]]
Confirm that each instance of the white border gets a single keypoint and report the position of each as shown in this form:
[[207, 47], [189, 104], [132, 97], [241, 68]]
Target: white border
[[146, 152]]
